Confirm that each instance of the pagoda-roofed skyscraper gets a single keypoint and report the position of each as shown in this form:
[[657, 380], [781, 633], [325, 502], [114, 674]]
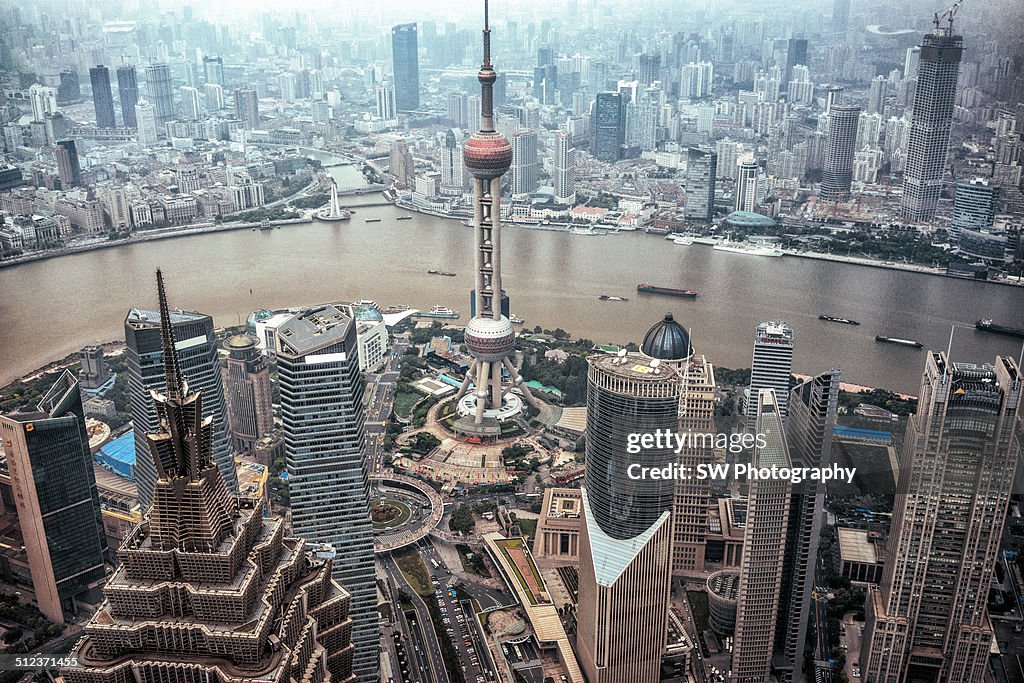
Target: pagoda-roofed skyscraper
[[207, 589], [490, 336]]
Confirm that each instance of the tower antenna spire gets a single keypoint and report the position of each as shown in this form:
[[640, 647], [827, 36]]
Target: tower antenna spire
[[487, 76], [176, 385]]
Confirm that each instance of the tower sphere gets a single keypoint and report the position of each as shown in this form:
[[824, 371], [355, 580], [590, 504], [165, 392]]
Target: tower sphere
[[489, 339], [488, 154]]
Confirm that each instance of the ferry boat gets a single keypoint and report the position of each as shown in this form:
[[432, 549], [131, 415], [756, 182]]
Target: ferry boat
[[369, 303], [646, 288], [683, 240], [441, 272], [515, 320], [746, 248], [606, 297], [986, 325], [833, 319], [901, 342], [400, 308], [439, 312], [404, 218]]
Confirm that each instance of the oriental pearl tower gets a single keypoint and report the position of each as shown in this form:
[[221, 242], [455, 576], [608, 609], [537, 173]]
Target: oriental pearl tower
[[490, 337]]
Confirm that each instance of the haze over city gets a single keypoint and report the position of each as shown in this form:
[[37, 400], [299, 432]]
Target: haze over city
[[535, 342]]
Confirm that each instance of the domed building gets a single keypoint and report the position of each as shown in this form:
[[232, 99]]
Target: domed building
[[667, 340], [747, 221]]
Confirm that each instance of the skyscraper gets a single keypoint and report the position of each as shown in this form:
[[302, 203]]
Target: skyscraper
[[247, 107], [701, 167], [812, 409], [54, 493], [213, 94], [213, 70], [247, 393], [759, 600], [747, 191], [322, 422], [840, 15], [626, 528], [43, 100], [68, 167], [524, 162], [206, 587], [490, 337], [796, 53], [609, 124], [191, 108], [565, 169], [406, 62], [197, 351], [128, 93], [158, 88], [840, 146], [70, 89], [930, 121], [452, 176], [974, 206], [771, 367], [386, 107], [102, 98], [145, 117], [928, 620], [877, 93]]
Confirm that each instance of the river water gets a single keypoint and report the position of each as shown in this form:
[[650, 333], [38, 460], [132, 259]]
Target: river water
[[54, 307]]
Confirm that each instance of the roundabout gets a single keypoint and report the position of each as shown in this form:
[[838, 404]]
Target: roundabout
[[403, 510], [388, 513]]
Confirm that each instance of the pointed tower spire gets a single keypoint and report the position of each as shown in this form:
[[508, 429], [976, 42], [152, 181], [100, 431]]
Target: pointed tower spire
[[177, 387], [487, 76]]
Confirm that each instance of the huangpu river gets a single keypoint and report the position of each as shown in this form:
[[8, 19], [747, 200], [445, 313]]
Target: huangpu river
[[53, 307]]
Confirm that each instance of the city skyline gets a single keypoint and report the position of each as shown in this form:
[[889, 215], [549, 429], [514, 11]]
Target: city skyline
[[566, 342]]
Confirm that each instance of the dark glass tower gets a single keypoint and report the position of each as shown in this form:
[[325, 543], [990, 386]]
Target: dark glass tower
[[930, 121], [322, 421], [102, 98], [796, 53], [609, 126], [197, 351], [626, 533], [50, 470], [840, 147], [406, 60], [625, 396], [128, 93], [68, 166], [70, 89]]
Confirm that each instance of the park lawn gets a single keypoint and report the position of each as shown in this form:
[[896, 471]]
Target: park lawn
[[404, 402]]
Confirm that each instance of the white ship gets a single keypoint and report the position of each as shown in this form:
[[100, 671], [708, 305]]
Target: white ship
[[748, 248], [683, 240]]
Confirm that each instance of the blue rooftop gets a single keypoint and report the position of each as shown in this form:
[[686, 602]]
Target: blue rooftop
[[118, 455]]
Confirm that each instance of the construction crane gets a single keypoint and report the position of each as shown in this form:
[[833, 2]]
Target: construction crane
[[946, 15]]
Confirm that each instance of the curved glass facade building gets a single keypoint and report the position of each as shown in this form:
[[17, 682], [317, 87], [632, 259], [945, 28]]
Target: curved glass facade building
[[628, 395]]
